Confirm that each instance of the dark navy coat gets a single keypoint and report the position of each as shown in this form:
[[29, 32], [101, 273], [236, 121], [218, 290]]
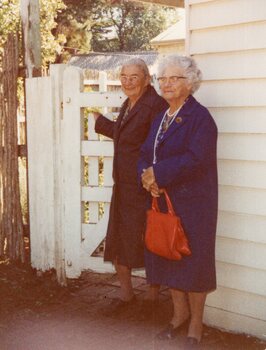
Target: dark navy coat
[[186, 167], [124, 238]]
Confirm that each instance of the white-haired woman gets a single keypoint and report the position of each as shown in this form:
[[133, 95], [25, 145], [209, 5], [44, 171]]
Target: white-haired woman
[[179, 155], [124, 240]]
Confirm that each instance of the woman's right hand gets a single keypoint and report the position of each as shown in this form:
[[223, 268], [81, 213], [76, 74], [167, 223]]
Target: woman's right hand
[[96, 115], [147, 178], [154, 190]]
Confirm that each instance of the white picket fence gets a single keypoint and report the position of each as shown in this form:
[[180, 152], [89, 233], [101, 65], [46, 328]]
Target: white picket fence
[[60, 150]]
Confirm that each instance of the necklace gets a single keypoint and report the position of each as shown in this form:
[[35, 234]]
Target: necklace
[[168, 118], [173, 114]]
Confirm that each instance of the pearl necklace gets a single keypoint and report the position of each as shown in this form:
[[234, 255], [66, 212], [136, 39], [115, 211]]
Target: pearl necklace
[[175, 112]]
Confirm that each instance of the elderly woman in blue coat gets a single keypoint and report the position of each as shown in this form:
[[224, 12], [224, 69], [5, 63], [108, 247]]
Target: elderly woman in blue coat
[[179, 155]]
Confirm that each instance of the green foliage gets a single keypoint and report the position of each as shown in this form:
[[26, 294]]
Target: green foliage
[[51, 45], [100, 26], [73, 26], [132, 26], [9, 20]]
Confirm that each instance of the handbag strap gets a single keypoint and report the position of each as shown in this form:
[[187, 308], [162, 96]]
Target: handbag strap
[[155, 206]]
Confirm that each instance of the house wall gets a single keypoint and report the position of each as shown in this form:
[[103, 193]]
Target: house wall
[[171, 47], [229, 45], [173, 3]]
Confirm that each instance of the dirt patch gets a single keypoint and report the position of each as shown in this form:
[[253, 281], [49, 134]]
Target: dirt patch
[[37, 314]]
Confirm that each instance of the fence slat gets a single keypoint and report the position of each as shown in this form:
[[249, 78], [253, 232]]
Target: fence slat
[[100, 99], [96, 194], [108, 170], [94, 234], [71, 160], [41, 171], [92, 135], [97, 148]]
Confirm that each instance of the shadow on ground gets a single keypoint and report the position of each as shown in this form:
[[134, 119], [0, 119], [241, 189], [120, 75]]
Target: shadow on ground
[[37, 314]]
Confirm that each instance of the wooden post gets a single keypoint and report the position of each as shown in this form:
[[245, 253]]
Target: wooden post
[[30, 17], [71, 169], [11, 224], [56, 72], [40, 131]]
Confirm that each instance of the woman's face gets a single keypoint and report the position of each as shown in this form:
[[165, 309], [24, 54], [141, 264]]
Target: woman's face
[[174, 85], [133, 81]]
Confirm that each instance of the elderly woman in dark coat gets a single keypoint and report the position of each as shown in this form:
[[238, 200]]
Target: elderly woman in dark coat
[[124, 240], [179, 155]]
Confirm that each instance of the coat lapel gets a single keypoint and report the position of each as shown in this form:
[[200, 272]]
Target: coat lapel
[[118, 127], [181, 118], [145, 100], [179, 121], [130, 115], [121, 114], [118, 122]]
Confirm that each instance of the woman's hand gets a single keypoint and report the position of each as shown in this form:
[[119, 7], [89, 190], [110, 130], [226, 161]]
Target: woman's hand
[[147, 178], [96, 115], [149, 183], [154, 190]]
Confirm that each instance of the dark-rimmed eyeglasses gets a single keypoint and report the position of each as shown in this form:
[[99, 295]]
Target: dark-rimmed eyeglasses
[[171, 80]]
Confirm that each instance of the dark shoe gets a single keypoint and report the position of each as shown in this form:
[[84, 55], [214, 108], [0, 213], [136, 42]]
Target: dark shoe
[[118, 305], [191, 343], [170, 332]]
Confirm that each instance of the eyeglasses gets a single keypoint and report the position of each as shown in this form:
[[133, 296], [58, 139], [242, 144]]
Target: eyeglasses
[[132, 79], [171, 80]]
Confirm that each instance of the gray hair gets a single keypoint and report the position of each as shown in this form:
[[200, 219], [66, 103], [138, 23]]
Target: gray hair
[[139, 63], [189, 66]]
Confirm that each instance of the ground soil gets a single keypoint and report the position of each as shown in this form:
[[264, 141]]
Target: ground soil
[[37, 314]]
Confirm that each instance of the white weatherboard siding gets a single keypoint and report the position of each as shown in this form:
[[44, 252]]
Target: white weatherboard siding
[[229, 45]]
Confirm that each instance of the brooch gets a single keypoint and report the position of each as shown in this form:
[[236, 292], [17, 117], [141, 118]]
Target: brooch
[[178, 120]]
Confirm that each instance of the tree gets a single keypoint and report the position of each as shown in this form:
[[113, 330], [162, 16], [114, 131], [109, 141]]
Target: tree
[[73, 26], [131, 26], [10, 22], [103, 26], [51, 45]]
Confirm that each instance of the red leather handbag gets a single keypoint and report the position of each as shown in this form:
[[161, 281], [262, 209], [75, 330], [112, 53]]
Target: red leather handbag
[[164, 234]]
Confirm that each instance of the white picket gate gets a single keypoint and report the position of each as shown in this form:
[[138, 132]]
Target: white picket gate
[[58, 156]]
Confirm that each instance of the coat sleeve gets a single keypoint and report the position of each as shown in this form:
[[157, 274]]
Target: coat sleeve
[[199, 154], [105, 126], [143, 162]]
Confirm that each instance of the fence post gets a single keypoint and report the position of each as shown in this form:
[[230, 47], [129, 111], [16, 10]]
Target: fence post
[[71, 169], [30, 18], [56, 73], [103, 82], [40, 115]]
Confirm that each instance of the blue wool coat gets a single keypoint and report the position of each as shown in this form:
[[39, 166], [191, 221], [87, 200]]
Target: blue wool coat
[[186, 167]]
